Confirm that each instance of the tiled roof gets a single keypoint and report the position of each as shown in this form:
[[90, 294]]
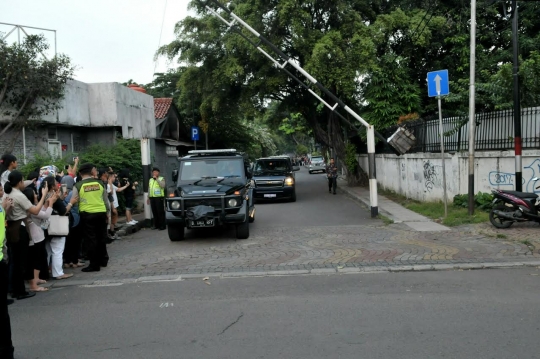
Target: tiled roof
[[161, 107]]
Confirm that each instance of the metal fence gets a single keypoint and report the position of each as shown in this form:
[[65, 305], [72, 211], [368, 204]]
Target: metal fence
[[494, 131]]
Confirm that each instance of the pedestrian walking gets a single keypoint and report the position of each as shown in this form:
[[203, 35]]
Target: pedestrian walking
[[91, 195], [332, 174], [156, 198]]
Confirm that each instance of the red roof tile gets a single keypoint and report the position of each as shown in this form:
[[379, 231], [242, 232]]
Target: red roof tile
[[161, 107]]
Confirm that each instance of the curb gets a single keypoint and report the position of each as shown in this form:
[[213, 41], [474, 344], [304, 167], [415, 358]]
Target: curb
[[302, 272]]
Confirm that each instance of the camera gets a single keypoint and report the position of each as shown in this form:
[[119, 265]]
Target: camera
[[66, 167], [74, 158]]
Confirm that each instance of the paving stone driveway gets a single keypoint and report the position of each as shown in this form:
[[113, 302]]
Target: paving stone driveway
[[150, 253]]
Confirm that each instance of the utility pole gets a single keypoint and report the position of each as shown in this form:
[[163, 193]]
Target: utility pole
[[517, 102], [472, 103]]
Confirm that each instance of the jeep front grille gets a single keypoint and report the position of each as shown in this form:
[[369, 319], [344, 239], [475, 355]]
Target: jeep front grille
[[269, 183], [214, 202]]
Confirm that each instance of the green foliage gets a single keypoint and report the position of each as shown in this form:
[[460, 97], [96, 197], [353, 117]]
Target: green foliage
[[126, 153], [482, 201], [301, 149], [351, 162]]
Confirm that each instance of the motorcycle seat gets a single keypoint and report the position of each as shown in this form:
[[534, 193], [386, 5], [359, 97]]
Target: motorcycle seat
[[522, 194]]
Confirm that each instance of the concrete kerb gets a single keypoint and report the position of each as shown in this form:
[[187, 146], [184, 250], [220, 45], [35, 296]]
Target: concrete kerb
[[315, 271]]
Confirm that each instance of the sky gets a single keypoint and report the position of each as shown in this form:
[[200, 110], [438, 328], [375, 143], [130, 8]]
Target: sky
[[107, 40]]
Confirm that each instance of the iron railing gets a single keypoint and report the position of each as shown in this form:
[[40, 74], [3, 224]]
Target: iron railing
[[494, 131]]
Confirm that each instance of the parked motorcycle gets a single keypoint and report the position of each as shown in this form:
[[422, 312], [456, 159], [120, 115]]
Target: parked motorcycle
[[514, 206]]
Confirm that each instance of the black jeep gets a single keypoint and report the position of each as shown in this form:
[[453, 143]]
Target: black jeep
[[212, 189], [273, 178]]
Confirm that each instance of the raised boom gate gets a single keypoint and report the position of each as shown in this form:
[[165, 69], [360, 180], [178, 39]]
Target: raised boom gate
[[338, 103]]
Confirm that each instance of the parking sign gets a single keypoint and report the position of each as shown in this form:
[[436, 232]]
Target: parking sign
[[194, 133]]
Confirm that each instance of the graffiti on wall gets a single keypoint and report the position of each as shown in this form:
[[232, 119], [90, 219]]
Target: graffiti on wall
[[432, 176], [403, 177], [531, 171]]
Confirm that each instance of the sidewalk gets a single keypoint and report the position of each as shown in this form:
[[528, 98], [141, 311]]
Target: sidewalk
[[394, 211]]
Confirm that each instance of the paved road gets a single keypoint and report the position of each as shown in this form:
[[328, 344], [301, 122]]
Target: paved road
[[319, 231], [458, 314]]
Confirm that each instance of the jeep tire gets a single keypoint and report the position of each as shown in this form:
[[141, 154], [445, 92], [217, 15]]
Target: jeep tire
[[176, 233], [242, 230], [293, 197]]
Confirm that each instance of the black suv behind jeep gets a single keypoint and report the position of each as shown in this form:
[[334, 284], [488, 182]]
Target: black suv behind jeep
[[273, 178], [212, 189]]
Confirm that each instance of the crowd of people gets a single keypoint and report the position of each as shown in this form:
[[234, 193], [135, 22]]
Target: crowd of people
[[87, 196]]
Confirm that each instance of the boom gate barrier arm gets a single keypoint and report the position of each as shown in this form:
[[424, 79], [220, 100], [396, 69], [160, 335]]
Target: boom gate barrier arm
[[338, 103]]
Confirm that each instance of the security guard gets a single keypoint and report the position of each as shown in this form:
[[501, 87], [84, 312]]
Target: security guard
[[156, 194], [91, 195]]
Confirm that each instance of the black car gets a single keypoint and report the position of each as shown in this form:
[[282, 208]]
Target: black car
[[212, 189], [273, 178]]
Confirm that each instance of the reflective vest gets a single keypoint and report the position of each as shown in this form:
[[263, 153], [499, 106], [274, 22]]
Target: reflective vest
[[154, 189], [91, 196]]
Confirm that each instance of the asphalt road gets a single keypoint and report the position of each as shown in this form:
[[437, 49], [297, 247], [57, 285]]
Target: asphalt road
[[314, 207], [458, 314]]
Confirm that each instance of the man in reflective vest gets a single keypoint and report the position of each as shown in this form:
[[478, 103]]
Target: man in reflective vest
[[91, 195], [156, 199]]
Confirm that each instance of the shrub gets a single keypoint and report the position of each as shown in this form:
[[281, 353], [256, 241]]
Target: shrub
[[482, 201]]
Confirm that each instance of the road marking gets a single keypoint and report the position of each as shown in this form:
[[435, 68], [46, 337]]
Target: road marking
[[166, 305]]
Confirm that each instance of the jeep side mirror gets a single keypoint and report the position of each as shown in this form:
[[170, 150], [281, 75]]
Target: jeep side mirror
[[296, 168], [175, 175]]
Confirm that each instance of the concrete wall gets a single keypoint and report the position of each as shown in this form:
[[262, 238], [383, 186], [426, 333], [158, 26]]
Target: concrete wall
[[103, 105], [419, 175]]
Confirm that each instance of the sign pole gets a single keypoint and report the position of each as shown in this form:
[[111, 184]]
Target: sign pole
[[472, 116], [439, 85], [442, 158]]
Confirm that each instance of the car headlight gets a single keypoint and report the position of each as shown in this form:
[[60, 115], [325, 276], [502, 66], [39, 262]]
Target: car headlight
[[289, 181], [175, 205], [233, 202]]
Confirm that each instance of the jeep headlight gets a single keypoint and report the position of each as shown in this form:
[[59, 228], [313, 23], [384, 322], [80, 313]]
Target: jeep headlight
[[252, 183], [233, 202], [175, 205], [289, 181]]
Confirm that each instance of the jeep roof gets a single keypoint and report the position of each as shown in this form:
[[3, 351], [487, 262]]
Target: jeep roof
[[214, 153]]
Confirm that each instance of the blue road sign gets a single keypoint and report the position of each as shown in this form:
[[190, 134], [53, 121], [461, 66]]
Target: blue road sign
[[437, 83], [194, 133]]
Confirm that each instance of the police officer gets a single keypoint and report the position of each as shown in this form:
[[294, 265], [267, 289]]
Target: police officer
[[91, 195], [156, 198]]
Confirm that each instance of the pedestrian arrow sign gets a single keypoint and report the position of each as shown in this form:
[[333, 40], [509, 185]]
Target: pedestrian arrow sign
[[437, 82]]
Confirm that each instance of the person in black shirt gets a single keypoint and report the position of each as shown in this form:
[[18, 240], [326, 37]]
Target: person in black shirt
[[129, 193]]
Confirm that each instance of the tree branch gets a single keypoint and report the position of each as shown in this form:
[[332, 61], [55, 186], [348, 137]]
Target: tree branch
[[4, 90], [8, 126]]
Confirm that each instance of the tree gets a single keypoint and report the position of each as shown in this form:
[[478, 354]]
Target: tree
[[30, 84]]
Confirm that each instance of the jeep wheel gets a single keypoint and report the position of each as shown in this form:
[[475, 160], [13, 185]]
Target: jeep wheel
[[176, 233], [293, 197], [242, 230], [310, 172]]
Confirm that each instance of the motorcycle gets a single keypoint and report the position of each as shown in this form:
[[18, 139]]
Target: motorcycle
[[514, 206]]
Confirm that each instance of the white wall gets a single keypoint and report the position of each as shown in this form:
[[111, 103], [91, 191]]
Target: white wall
[[419, 175]]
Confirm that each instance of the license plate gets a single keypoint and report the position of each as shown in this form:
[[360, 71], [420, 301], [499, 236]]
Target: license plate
[[271, 195], [203, 223]]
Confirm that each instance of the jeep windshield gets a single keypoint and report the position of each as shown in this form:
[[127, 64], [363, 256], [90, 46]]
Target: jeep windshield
[[210, 169], [271, 166]]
